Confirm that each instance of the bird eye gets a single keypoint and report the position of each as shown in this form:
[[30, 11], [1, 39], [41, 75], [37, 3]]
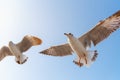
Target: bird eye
[[71, 34]]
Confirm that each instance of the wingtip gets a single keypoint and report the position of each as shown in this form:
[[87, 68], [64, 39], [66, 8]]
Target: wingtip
[[35, 40], [42, 52]]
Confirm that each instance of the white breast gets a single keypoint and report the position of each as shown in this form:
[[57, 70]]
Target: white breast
[[77, 46]]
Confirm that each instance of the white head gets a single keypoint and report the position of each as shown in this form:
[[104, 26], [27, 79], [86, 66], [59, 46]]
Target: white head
[[69, 35]]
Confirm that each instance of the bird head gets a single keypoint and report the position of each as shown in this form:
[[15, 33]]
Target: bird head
[[69, 34]]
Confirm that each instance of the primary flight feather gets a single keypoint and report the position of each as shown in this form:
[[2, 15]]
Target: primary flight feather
[[79, 45]]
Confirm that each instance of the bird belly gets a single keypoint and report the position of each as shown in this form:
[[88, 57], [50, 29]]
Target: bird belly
[[16, 52], [81, 52], [77, 47]]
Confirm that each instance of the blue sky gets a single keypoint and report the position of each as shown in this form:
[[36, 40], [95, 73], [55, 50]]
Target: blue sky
[[49, 20]]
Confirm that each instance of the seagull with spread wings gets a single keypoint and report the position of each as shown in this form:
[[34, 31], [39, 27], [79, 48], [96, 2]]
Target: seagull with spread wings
[[17, 49], [79, 45]]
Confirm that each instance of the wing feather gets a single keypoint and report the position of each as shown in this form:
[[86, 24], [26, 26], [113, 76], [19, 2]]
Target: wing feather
[[102, 30], [27, 42], [5, 51], [24, 45], [60, 50]]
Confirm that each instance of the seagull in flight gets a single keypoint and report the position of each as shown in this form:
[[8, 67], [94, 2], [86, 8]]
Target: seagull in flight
[[80, 45], [17, 49]]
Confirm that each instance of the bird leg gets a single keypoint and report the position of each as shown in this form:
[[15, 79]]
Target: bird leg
[[85, 58], [22, 62], [21, 59], [95, 55], [78, 63]]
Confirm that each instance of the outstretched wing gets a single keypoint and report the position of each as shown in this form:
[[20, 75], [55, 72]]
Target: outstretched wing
[[5, 51], [102, 30], [60, 50], [27, 42]]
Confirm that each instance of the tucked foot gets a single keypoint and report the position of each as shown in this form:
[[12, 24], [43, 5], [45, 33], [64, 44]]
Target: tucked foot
[[85, 58], [95, 56], [19, 62], [78, 63]]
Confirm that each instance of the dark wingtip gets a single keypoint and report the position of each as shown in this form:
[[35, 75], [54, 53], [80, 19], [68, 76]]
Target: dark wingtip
[[41, 52]]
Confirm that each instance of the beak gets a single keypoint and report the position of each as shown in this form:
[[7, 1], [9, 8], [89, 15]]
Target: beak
[[65, 33]]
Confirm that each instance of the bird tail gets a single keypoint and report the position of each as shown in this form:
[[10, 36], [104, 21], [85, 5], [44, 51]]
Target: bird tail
[[91, 57], [34, 40]]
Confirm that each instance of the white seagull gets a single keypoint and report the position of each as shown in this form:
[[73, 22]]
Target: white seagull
[[18, 49], [79, 45]]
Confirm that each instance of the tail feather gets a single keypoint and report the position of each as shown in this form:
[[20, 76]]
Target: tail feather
[[91, 57]]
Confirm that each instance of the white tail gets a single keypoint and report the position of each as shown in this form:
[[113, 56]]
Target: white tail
[[89, 57]]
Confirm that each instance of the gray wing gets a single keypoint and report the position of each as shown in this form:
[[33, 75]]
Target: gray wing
[[27, 42], [60, 50], [4, 51], [102, 30]]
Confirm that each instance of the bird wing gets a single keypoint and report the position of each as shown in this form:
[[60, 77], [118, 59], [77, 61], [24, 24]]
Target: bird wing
[[102, 30], [60, 50], [5, 51], [27, 42]]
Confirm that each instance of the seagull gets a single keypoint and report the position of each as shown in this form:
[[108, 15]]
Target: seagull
[[17, 49], [80, 45]]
